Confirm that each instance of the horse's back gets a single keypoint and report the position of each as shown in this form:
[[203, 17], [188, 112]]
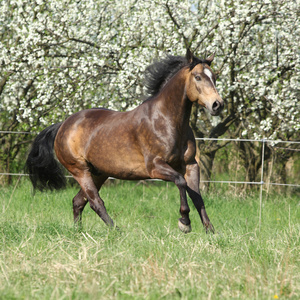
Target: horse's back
[[103, 139]]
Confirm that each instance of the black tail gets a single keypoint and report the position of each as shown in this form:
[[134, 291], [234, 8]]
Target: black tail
[[45, 172]]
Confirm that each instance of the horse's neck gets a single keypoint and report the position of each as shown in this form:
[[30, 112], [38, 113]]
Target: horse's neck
[[173, 102]]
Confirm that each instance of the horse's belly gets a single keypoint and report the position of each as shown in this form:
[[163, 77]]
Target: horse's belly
[[119, 171], [128, 165]]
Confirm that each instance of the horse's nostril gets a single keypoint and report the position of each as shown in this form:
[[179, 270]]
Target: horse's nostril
[[216, 105]]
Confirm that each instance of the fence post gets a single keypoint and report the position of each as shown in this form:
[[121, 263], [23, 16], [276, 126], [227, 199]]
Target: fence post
[[261, 180]]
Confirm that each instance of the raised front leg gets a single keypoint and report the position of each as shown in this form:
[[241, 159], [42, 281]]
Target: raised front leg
[[192, 179], [159, 169]]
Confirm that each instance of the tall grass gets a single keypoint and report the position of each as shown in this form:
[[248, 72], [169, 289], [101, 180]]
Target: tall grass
[[42, 256]]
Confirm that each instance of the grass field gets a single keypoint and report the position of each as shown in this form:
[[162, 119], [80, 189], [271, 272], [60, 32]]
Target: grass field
[[42, 256]]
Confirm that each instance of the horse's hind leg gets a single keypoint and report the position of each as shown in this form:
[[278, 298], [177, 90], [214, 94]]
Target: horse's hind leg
[[90, 187], [79, 202]]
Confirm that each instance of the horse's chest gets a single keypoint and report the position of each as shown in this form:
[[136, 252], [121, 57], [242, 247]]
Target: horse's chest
[[175, 161], [181, 153], [174, 154]]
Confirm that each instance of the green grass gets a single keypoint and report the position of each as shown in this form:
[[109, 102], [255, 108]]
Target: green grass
[[42, 256]]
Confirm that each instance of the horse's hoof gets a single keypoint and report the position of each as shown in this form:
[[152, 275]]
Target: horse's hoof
[[210, 228], [184, 228]]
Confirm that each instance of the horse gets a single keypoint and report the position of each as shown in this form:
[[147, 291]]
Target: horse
[[152, 141]]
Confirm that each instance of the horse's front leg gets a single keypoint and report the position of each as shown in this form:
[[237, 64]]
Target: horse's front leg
[[192, 178], [159, 169]]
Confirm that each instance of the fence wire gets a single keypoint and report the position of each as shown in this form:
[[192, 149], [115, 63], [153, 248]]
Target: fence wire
[[261, 183], [263, 141]]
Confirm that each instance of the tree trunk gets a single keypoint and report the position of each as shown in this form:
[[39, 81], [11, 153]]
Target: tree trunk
[[205, 163], [206, 151], [251, 160]]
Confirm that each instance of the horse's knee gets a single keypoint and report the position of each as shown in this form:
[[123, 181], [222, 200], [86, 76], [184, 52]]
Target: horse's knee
[[181, 182]]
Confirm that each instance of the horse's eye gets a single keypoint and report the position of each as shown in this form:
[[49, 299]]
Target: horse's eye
[[197, 77]]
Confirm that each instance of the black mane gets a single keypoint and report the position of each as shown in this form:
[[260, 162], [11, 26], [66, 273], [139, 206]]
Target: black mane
[[160, 72]]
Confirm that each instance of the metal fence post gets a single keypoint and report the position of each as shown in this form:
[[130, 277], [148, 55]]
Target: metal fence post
[[261, 180]]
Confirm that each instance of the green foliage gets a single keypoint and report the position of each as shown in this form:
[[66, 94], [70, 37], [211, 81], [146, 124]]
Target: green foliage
[[43, 257]]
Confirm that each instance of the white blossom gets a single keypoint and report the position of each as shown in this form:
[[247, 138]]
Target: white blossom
[[61, 56]]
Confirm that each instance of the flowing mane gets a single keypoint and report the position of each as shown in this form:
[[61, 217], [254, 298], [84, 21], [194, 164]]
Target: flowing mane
[[160, 72]]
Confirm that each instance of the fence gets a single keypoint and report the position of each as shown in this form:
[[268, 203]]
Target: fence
[[261, 182], [263, 141]]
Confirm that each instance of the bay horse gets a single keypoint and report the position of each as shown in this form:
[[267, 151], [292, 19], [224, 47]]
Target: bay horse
[[154, 140]]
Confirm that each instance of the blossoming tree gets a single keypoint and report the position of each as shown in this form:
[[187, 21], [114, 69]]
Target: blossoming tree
[[60, 56]]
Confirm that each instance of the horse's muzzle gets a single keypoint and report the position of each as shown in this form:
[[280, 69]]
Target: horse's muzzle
[[217, 108]]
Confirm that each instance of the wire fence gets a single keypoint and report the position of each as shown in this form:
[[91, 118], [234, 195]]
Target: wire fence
[[263, 141], [262, 169]]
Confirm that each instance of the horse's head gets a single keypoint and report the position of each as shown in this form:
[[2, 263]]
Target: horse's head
[[201, 84]]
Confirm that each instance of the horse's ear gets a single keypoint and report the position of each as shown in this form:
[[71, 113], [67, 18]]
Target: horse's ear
[[189, 56], [210, 58]]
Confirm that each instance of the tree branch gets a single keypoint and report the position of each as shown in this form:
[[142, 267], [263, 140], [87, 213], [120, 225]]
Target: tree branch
[[176, 24]]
